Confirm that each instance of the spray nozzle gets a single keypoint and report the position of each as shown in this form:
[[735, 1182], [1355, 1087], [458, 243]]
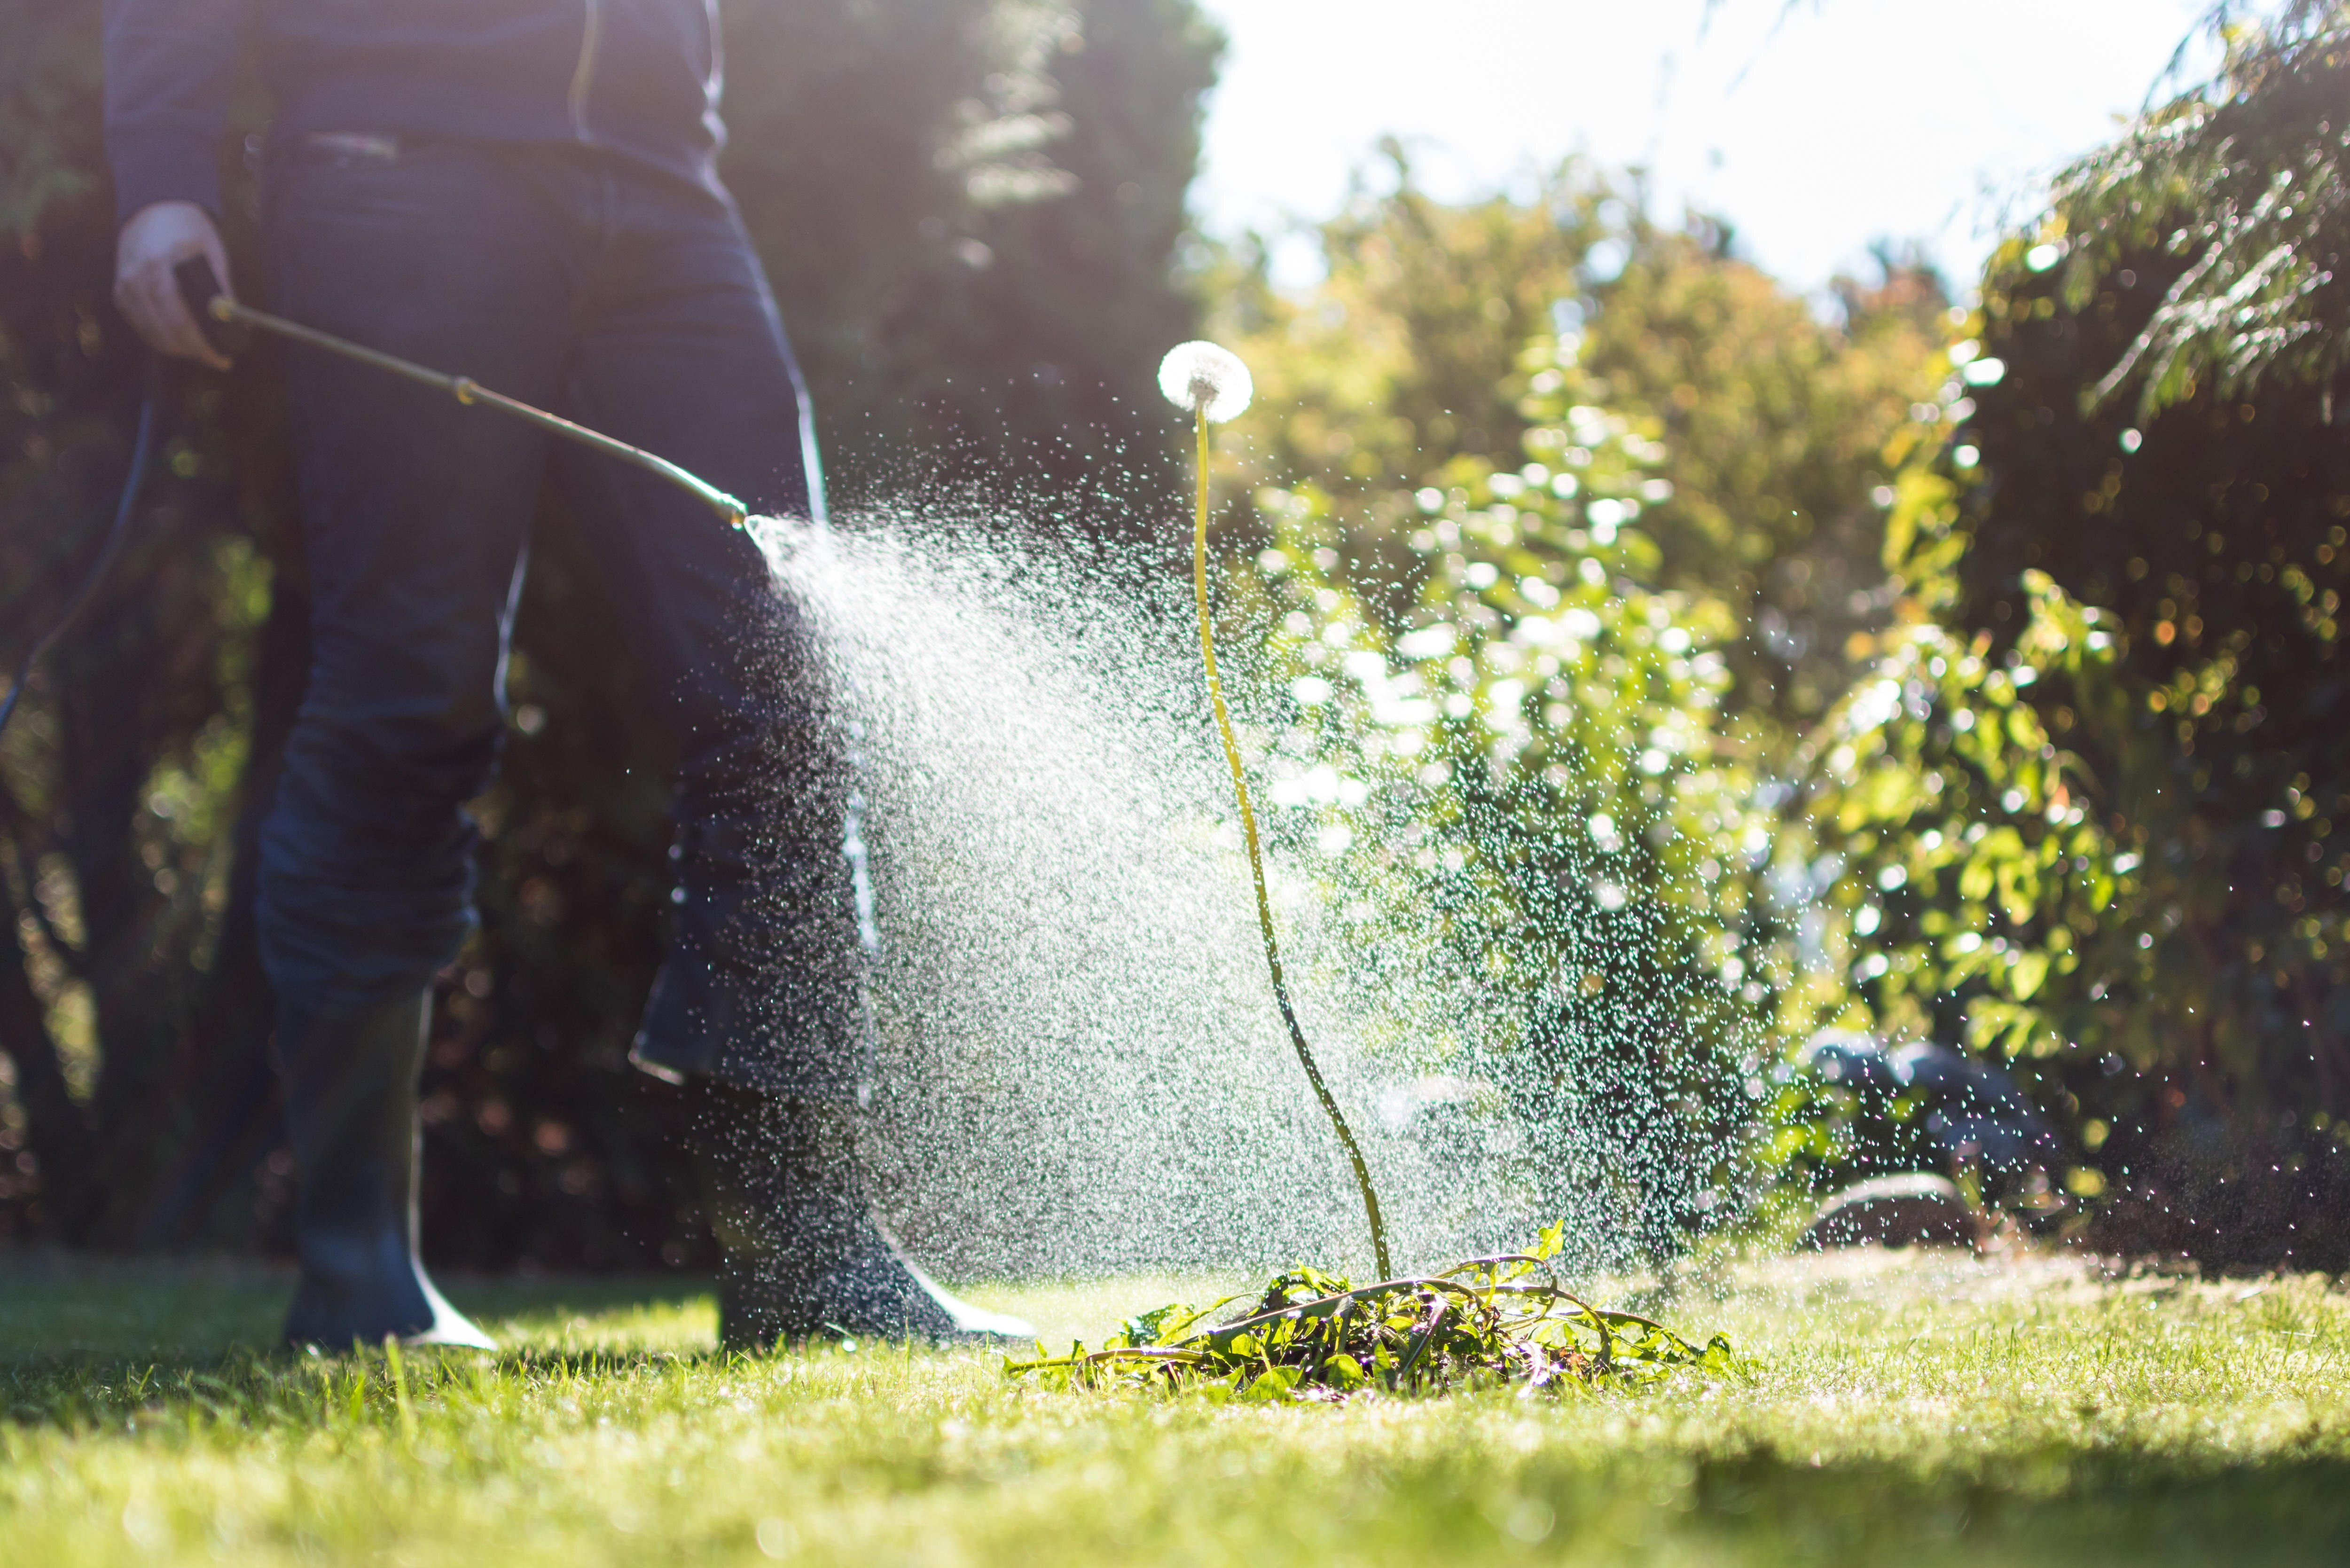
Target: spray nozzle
[[215, 311]]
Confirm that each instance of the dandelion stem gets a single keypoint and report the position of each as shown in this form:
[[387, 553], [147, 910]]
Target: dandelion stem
[[1256, 861]]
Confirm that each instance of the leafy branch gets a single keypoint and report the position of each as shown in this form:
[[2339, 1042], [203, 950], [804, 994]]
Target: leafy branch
[[2248, 177]]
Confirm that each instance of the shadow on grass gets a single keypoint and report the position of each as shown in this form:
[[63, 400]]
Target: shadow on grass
[[96, 1340], [2063, 1505]]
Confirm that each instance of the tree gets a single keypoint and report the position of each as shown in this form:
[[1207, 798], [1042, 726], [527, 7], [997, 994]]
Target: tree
[[1777, 423], [2249, 175], [122, 807], [1772, 489], [970, 208], [2091, 788]]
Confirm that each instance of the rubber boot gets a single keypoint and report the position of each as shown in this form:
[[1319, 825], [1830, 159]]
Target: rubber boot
[[803, 1254], [350, 1111]]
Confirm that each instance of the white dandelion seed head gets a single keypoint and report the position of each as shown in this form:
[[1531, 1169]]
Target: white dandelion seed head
[[1198, 375]]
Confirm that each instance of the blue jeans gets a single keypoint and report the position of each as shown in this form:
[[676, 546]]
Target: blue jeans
[[630, 301]]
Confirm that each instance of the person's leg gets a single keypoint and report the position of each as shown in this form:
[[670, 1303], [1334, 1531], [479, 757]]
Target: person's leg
[[762, 995], [415, 512], [679, 351]]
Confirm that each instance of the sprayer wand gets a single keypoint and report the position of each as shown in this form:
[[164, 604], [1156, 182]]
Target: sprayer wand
[[211, 306], [223, 322]]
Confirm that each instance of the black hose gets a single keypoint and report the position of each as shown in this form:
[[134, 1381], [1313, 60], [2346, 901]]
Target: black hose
[[143, 448]]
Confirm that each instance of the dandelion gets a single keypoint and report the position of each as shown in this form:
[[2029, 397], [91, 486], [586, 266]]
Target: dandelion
[[1311, 1335], [1206, 377], [1210, 383]]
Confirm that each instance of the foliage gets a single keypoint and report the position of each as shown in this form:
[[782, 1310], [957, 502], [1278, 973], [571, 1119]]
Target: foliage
[[1484, 1323], [1517, 719], [1774, 425], [1567, 691], [1772, 420], [2085, 789], [2245, 179], [1944, 734], [50, 72], [123, 784], [1404, 351]]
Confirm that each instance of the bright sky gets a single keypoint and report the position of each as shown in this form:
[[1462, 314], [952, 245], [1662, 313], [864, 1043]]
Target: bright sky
[[1814, 132]]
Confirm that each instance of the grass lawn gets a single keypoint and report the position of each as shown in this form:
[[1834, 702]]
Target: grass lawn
[[1904, 1409]]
